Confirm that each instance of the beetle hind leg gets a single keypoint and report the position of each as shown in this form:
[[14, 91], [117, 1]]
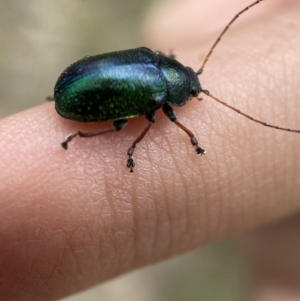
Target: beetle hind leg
[[117, 126], [50, 98], [172, 116], [130, 161], [171, 54]]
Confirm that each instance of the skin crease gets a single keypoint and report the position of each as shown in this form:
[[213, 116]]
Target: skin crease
[[69, 220]]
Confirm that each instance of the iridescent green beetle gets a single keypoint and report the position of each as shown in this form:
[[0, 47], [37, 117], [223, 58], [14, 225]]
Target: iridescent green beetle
[[126, 84], [121, 85]]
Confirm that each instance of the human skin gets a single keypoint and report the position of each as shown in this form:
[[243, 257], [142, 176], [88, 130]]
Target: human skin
[[72, 219]]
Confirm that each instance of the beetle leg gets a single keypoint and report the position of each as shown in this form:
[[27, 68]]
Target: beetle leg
[[171, 54], [130, 161], [50, 98], [172, 116], [117, 126]]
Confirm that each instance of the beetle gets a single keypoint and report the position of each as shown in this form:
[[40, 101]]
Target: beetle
[[126, 84]]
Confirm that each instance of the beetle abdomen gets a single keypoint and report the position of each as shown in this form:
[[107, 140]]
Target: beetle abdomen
[[112, 86]]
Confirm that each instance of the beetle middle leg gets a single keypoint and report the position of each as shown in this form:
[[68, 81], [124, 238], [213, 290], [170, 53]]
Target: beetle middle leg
[[117, 126], [172, 116], [130, 161]]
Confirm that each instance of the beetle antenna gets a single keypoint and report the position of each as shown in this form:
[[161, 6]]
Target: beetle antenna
[[222, 33], [206, 92]]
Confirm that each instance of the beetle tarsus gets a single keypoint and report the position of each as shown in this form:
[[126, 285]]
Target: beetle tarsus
[[200, 151], [130, 161], [130, 164], [65, 145]]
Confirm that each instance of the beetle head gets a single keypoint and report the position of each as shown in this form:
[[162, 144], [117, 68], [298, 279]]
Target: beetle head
[[195, 86]]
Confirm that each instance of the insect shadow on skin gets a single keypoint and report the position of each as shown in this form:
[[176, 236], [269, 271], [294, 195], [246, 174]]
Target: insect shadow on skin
[[126, 84]]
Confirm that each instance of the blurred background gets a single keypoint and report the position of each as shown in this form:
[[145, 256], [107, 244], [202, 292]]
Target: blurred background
[[38, 39], [212, 273]]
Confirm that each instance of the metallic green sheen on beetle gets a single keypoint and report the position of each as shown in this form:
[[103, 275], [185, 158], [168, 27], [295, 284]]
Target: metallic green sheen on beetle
[[122, 85]]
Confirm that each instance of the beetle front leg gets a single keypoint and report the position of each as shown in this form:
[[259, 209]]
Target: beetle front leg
[[117, 126], [130, 161], [172, 116]]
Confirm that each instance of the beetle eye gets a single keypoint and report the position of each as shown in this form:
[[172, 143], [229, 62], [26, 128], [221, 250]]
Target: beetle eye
[[194, 92]]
